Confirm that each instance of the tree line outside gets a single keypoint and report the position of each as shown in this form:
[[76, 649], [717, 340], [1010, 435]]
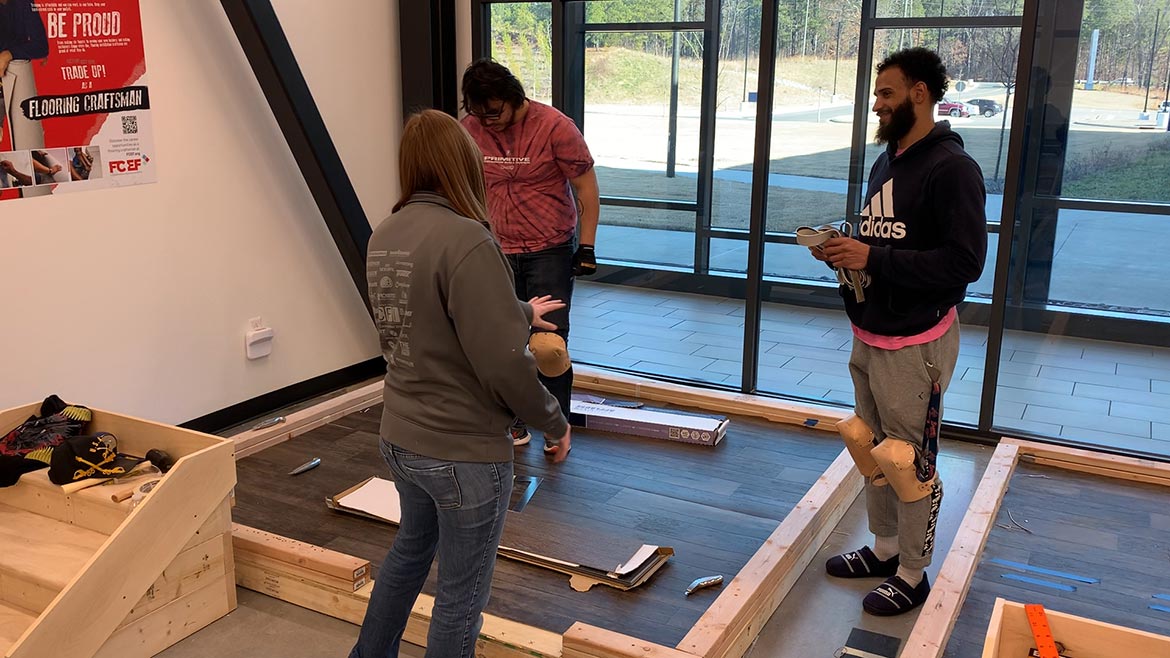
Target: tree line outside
[[633, 69], [828, 29]]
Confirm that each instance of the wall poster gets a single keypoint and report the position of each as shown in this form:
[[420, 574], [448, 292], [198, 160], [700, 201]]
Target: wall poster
[[76, 111]]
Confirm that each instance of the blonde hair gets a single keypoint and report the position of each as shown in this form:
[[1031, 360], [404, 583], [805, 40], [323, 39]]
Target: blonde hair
[[438, 155]]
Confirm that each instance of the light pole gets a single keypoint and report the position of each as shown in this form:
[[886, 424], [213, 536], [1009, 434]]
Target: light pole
[[837, 63], [804, 39], [672, 118], [1166, 97], [938, 48], [1153, 53], [747, 48]]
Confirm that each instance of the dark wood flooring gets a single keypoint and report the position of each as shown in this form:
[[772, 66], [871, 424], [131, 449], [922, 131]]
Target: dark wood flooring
[[1113, 531], [714, 506]]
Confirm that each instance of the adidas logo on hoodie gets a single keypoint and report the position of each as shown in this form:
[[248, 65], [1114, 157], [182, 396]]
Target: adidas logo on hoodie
[[879, 216]]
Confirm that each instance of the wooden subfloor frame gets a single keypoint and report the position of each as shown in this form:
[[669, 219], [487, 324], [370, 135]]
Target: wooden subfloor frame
[[928, 639], [728, 627], [733, 621]]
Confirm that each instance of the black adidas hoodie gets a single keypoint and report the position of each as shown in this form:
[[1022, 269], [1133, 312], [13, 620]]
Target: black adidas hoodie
[[926, 226]]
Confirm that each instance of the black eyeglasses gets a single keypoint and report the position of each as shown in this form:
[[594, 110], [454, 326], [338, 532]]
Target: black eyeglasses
[[487, 116]]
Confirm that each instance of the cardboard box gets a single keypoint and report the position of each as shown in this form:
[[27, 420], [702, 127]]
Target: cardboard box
[[650, 422]]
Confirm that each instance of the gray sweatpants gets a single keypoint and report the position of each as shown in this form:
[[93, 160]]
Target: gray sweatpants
[[892, 389]]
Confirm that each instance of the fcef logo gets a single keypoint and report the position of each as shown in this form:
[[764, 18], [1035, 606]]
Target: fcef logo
[[125, 166], [128, 166]]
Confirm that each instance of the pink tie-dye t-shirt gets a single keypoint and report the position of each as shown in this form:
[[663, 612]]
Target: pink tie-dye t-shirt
[[527, 168]]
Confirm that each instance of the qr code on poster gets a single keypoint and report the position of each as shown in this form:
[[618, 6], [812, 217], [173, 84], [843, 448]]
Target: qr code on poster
[[129, 125]]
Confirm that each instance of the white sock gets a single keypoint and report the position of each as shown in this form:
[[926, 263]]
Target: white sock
[[885, 547], [911, 576]]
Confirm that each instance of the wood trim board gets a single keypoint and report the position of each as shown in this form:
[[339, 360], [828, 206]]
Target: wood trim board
[[250, 541], [778, 411], [252, 441]]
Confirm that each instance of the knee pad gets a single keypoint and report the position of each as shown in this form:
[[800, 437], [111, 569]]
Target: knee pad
[[552, 355], [898, 461], [859, 441]]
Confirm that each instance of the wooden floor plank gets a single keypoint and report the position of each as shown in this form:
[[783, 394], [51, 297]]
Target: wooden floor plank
[[714, 505]]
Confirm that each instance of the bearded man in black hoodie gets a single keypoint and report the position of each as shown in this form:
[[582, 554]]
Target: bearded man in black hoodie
[[921, 238]]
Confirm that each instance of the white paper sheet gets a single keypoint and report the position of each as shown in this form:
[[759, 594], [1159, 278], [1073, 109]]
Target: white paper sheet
[[377, 497], [636, 560]]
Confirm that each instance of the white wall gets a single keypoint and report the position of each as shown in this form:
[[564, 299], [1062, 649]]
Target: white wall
[[350, 60], [462, 38], [137, 299]]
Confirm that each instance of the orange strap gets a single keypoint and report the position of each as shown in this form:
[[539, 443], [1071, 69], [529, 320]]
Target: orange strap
[[1045, 643]]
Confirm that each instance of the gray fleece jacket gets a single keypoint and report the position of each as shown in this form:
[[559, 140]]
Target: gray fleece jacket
[[454, 337]]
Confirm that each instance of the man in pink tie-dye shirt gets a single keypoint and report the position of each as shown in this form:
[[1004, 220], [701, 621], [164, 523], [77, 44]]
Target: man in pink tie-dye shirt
[[543, 204]]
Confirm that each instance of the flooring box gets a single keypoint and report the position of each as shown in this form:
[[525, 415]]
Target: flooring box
[[596, 413], [112, 571]]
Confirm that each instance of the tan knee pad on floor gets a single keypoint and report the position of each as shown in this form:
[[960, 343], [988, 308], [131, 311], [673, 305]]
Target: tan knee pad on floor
[[552, 355], [859, 441], [897, 460]]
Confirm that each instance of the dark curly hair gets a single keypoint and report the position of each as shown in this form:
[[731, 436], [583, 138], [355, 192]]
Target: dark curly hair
[[919, 65], [486, 79]]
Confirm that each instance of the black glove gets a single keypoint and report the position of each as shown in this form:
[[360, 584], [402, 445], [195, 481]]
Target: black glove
[[584, 261]]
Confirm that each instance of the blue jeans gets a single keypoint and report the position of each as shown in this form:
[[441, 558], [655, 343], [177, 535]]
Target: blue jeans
[[549, 272], [459, 509]]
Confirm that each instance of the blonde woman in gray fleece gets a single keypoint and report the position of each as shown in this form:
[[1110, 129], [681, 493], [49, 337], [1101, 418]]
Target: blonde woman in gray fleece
[[458, 373]]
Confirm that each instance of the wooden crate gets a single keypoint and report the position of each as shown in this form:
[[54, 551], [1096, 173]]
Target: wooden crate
[[1008, 635], [125, 581]]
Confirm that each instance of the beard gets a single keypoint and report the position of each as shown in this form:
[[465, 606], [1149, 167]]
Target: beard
[[899, 124]]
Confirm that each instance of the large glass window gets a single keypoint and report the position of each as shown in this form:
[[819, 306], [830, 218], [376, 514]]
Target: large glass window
[[1085, 350], [1118, 144], [981, 64], [627, 114], [643, 112], [1082, 354], [522, 41], [1096, 391], [648, 236], [812, 132]]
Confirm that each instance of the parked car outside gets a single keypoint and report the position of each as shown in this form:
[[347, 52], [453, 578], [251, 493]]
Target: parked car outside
[[987, 107], [952, 108]]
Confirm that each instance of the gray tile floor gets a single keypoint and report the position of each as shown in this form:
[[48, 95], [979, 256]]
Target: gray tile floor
[[1093, 391]]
